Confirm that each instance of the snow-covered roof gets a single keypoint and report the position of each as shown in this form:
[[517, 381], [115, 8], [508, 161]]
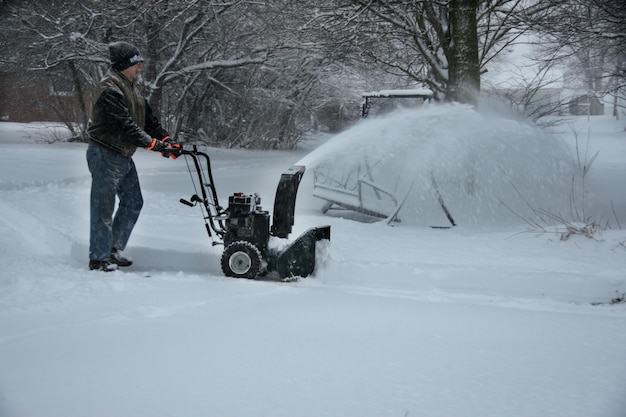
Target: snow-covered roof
[[413, 92]]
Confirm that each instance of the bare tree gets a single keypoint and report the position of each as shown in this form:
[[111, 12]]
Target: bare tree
[[273, 104], [233, 73], [55, 39], [262, 73], [172, 34], [445, 45], [588, 36]]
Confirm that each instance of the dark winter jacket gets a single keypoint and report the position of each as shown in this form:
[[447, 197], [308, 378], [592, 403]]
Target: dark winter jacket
[[121, 119]]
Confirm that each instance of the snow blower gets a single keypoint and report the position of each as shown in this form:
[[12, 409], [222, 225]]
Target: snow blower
[[244, 227]]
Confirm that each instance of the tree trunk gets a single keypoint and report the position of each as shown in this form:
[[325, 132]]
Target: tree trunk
[[150, 69], [84, 112], [463, 63]]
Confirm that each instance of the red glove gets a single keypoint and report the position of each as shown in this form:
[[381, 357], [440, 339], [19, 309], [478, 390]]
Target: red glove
[[172, 151], [157, 146], [167, 148]]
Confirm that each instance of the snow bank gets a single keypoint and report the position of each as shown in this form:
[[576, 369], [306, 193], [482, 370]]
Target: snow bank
[[37, 132]]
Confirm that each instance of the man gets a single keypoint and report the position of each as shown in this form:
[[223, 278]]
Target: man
[[121, 121]]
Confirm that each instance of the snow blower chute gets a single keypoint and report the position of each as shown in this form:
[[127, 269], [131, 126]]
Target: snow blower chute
[[244, 227]]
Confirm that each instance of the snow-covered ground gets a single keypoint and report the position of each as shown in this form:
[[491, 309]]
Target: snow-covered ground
[[397, 321]]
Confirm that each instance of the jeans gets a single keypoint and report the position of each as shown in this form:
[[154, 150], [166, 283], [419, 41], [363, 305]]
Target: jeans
[[111, 175]]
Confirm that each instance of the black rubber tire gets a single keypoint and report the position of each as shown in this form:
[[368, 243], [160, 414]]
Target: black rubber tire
[[241, 259]]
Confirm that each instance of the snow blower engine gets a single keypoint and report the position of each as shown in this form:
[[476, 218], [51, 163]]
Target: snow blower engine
[[244, 227]]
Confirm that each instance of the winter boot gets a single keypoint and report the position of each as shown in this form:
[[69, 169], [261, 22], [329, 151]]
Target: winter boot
[[106, 266], [118, 259]]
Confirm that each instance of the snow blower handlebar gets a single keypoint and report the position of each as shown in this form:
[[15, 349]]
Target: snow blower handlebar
[[209, 200]]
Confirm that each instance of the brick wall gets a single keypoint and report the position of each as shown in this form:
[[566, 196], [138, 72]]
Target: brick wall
[[25, 97]]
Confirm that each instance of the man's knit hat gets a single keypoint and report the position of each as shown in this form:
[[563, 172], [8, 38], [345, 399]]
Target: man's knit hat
[[124, 55]]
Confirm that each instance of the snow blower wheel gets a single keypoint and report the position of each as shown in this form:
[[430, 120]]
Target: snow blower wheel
[[241, 259]]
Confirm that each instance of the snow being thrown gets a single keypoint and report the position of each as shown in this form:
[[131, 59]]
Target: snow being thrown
[[485, 169]]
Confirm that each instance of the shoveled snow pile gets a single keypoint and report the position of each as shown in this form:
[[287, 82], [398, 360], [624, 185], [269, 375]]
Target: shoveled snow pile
[[487, 170]]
